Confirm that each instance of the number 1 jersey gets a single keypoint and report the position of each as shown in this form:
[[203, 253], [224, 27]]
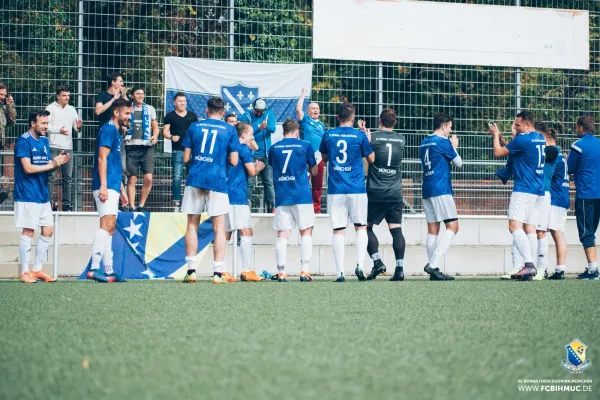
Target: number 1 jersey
[[345, 147], [384, 183], [211, 141], [290, 159]]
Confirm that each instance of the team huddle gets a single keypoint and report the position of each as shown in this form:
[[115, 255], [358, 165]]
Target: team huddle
[[220, 162]]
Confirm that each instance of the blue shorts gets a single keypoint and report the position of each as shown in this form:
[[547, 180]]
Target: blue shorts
[[587, 212]]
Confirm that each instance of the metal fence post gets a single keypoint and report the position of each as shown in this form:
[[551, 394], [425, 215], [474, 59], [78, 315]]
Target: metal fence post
[[234, 267], [56, 232]]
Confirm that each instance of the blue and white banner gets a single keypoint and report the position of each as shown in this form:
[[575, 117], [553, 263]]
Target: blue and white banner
[[238, 83]]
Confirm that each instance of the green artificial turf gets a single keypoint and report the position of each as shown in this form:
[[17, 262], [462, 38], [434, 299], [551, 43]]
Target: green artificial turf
[[467, 339]]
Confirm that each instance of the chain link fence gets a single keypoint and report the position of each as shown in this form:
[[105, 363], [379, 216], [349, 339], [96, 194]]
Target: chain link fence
[[46, 43]]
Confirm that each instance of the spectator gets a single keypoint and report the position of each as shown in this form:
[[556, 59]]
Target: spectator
[[176, 124], [8, 117], [312, 130], [584, 164], [63, 119], [263, 124], [231, 119], [142, 135]]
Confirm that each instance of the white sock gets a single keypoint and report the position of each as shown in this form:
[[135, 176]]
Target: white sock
[[592, 267], [533, 246], [442, 247], [218, 267], [191, 262], [100, 238], [24, 252], [522, 243], [338, 252], [399, 263], [41, 253], [542, 254], [375, 256], [306, 247], [430, 245], [107, 257], [560, 268], [281, 252], [246, 251], [362, 240], [517, 258]]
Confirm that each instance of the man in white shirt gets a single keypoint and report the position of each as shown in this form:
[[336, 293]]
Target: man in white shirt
[[63, 120]]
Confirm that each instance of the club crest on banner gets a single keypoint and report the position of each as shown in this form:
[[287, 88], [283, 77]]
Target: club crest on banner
[[575, 362], [238, 97]]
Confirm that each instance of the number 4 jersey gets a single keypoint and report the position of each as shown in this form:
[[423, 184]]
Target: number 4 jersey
[[528, 153], [290, 159], [436, 153], [211, 141], [345, 147]]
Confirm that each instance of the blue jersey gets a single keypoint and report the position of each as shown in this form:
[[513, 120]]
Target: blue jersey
[[528, 154], [436, 153], [559, 188], [584, 163], [312, 131], [237, 177], [549, 168], [31, 188], [345, 147], [290, 159], [211, 141], [109, 136]]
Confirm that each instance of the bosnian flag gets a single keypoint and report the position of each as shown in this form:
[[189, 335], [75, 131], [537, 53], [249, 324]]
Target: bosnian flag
[[238, 83]]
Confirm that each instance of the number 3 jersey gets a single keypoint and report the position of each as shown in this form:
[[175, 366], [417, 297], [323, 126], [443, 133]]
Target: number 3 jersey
[[528, 153], [211, 141], [345, 147], [436, 153], [384, 183], [290, 159]]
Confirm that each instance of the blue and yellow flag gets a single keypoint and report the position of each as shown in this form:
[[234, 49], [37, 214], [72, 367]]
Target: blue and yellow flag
[[152, 246]]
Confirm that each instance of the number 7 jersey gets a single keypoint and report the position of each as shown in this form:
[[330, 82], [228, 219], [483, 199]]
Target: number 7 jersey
[[211, 142], [345, 147], [290, 159]]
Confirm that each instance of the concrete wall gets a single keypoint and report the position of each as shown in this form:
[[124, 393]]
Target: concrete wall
[[482, 247]]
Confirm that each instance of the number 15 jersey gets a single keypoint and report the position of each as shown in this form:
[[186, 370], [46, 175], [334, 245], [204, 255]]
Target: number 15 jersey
[[346, 148], [436, 153], [529, 156], [290, 159]]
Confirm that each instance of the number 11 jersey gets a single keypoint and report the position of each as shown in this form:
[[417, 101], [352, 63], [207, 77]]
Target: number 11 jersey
[[345, 147], [436, 153]]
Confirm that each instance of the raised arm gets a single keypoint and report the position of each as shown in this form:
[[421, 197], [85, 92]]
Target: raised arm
[[30, 168], [300, 104]]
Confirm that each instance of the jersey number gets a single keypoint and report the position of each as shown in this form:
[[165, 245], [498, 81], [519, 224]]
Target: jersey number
[[287, 160], [540, 149], [426, 161], [344, 146], [389, 146], [212, 143], [566, 170]]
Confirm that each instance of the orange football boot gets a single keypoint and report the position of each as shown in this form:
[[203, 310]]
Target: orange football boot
[[27, 278], [228, 277], [42, 276], [251, 276], [305, 277]]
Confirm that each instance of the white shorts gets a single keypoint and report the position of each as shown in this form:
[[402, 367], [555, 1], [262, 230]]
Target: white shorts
[[288, 217], [544, 214], [196, 201], [346, 208], [558, 218], [238, 217], [440, 208], [33, 215], [525, 207], [110, 206]]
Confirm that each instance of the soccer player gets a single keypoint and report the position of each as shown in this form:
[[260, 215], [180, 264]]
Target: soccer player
[[344, 148], [32, 200], [437, 152], [384, 190], [291, 159], [312, 130], [527, 151], [238, 216], [208, 146], [107, 188], [584, 163], [559, 206]]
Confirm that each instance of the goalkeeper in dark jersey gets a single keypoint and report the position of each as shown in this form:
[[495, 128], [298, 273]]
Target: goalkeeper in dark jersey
[[384, 190]]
